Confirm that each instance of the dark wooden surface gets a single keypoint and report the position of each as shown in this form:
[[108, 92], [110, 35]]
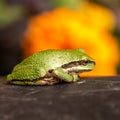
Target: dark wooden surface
[[96, 98]]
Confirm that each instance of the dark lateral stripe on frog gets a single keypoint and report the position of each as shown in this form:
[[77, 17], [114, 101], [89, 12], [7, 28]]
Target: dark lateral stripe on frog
[[77, 63]]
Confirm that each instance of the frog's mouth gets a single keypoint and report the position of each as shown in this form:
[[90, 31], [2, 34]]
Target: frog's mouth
[[79, 66]]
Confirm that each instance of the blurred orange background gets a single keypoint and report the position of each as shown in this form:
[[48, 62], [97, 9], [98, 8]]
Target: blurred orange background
[[88, 27]]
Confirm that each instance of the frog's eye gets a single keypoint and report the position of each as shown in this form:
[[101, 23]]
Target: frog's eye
[[84, 62]]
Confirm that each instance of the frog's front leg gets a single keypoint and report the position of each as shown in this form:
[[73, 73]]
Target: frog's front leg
[[75, 77], [61, 74]]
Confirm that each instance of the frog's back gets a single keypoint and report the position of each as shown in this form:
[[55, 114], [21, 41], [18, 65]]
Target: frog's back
[[50, 59]]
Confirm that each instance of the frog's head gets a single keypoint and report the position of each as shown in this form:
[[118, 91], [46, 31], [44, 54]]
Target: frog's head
[[81, 64], [85, 63]]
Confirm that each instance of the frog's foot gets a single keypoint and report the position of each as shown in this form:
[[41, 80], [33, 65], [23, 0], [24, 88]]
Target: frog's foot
[[75, 77], [20, 82], [61, 74]]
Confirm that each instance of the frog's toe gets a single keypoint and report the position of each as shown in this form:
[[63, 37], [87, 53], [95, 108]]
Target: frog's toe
[[75, 77]]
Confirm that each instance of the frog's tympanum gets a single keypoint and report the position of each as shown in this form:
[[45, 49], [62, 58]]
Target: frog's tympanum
[[49, 67]]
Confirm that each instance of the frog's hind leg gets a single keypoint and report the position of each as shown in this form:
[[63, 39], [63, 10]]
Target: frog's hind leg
[[28, 82], [46, 81], [42, 81]]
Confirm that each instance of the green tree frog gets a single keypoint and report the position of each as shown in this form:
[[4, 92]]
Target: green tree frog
[[51, 66]]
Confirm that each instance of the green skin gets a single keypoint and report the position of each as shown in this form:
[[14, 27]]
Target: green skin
[[49, 67]]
